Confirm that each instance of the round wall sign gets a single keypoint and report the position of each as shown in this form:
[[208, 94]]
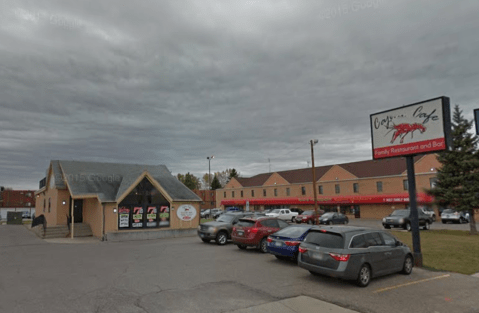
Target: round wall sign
[[186, 212]]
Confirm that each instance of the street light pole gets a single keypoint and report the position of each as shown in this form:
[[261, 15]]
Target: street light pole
[[209, 172], [316, 213]]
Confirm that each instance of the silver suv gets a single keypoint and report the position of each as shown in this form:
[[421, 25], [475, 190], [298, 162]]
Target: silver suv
[[220, 230]]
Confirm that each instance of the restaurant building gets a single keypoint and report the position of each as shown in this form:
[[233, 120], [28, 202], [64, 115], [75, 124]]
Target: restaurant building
[[118, 201], [365, 189]]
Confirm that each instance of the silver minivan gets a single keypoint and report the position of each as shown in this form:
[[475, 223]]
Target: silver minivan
[[353, 253]]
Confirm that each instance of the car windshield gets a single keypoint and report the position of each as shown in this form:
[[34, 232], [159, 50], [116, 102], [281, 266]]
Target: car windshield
[[275, 211], [327, 215], [448, 211], [227, 218], [326, 240], [307, 213], [400, 213], [292, 232]]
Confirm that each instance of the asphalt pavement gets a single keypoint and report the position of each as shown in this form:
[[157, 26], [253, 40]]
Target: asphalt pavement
[[187, 275]]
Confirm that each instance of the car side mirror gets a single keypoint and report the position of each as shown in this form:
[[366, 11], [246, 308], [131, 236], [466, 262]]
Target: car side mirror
[[398, 243]]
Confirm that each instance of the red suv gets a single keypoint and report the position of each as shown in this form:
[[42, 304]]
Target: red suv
[[255, 231], [308, 217]]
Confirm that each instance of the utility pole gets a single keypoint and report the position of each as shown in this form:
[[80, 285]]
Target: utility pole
[[316, 213], [209, 173]]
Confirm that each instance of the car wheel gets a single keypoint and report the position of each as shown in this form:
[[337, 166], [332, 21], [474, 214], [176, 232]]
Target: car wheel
[[444, 222], [387, 226], [292, 219], [242, 247], [310, 222], [434, 218], [221, 238], [461, 220], [205, 240], [408, 226], [408, 265], [263, 246], [427, 226], [330, 222], [364, 276]]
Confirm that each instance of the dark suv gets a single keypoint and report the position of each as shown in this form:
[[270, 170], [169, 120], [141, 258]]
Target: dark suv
[[401, 218], [219, 230]]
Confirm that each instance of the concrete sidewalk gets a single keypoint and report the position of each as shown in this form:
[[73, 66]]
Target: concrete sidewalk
[[301, 304]]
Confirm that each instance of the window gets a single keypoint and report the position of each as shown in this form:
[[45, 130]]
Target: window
[[337, 189], [358, 242], [373, 239], [225, 194], [282, 224], [389, 240], [44, 205], [303, 190], [320, 190], [264, 192], [212, 203], [275, 192], [379, 186], [232, 194], [241, 193], [356, 187], [433, 182], [252, 193], [49, 204], [28, 194], [405, 184], [288, 193], [325, 240]]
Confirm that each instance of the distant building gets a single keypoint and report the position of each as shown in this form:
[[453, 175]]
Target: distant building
[[17, 198], [364, 189], [208, 198]]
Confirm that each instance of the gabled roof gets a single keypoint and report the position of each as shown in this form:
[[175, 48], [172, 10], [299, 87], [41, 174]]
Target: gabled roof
[[360, 169], [57, 174], [109, 181]]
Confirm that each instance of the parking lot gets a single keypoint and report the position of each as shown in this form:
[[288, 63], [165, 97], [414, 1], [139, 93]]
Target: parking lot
[[187, 275]]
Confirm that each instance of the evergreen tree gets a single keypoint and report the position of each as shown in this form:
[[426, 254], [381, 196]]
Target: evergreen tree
[[189, 180], [233, 173], [215, 184], [458, 178]]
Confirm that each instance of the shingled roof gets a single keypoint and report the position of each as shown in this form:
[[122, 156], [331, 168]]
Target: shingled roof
[[110, 180], [361, 169]]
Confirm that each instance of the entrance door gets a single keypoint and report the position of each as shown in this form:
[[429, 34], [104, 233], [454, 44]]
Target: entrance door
[[78, 211]]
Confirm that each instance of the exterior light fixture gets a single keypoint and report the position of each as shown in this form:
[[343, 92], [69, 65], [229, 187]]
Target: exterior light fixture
[[64, 202], [114, 210]]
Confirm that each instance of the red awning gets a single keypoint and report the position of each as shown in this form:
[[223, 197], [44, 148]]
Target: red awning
[[351, 200]]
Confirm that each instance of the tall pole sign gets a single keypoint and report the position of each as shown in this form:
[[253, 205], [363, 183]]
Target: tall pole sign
[[419, 128], [476, 119]]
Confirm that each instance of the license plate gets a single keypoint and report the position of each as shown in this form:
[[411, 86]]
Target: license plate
[[318, 256], [278, 244], [240, 233], [202, 235]]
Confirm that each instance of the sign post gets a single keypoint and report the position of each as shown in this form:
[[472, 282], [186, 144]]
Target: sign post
[[419, 128], [476, 119]]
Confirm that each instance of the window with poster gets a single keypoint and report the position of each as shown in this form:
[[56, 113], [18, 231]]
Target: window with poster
[[144, 207]]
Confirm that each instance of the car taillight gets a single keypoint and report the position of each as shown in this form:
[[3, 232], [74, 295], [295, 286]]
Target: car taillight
[[302, 250], [292, 243], [234, 229], [340, 257], [254, 230], [269, 239]]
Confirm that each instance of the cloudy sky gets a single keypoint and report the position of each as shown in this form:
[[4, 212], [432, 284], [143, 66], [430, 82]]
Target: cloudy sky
[[172, 82]]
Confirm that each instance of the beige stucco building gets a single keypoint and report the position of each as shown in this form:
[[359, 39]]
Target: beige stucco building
[[365, 189], [118, 201]]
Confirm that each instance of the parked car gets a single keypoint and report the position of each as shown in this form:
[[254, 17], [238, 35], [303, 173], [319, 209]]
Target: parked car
[[299, 211], [285, 243], [26, 215], [307, 217], [353, 253], [254, 231], [218, 214], [454, 216], [428, 211], [215, 213], [331, 218], [283, 214], [219, 230], [401, 218], [233, 209]]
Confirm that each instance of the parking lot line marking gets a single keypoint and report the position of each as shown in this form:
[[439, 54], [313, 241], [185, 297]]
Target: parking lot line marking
[[411, 283]]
